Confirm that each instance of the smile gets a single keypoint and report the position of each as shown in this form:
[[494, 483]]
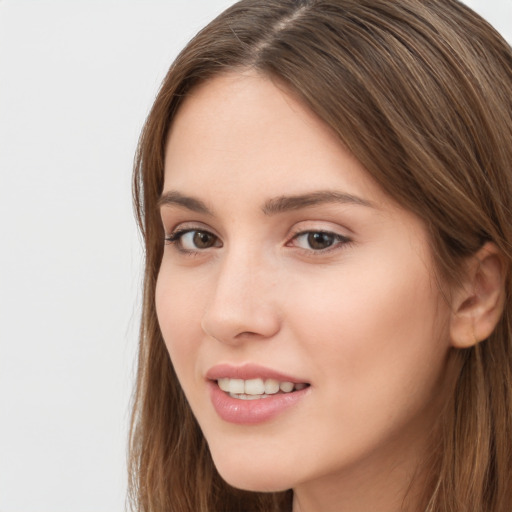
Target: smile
[[254, 389], [252, 394]]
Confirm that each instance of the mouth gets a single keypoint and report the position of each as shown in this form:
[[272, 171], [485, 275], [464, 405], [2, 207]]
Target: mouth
[[252, 394], [258, 388]]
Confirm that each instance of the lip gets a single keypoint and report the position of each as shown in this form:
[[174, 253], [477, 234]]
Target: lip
[[248, 371], [251, 412]]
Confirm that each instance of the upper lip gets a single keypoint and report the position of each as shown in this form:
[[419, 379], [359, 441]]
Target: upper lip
[[249, 371]]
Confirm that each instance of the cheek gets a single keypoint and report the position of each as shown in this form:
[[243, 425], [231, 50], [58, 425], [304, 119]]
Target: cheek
[[178, 309], [376, 347], [374, 333]]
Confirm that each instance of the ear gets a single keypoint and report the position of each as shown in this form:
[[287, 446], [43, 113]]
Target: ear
[[478, 303]]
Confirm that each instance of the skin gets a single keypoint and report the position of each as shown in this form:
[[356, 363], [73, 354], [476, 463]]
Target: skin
[[361, 321]]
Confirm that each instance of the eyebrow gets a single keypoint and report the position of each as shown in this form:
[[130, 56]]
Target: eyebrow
[[289, 203], [272, 206], [190, 203]]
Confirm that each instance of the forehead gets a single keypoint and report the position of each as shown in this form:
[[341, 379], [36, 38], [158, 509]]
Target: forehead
[[246, 130]]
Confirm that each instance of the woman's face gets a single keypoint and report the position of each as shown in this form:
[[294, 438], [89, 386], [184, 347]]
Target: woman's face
[[287, 267]]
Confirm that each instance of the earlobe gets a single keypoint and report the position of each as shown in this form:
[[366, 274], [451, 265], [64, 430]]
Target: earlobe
[[478, 304]]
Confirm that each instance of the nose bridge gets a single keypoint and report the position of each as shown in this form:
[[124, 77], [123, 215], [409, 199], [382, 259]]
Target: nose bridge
[[242, 300]]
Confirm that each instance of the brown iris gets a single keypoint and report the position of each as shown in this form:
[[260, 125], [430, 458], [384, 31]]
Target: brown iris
[[320, 240], [203, 239]]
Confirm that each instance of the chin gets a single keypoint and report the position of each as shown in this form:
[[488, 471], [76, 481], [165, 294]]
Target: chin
[[252, 476]]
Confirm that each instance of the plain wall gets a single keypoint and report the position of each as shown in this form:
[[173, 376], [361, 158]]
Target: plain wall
[[76, 81]]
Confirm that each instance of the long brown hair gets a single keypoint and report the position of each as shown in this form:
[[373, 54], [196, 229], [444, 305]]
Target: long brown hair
[[420, 91]]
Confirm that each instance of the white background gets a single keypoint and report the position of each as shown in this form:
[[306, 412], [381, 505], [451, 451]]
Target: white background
[[76, 81]]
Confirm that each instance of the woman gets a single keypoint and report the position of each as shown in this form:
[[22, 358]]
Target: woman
[[324, 190]]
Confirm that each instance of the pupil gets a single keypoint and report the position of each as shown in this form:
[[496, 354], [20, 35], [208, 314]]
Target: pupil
[[320, 240], [202, 240]]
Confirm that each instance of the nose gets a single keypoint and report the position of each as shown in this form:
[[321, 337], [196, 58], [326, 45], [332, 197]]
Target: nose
[[243, 301]]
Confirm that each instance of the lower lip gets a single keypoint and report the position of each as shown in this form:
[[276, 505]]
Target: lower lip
[[251, 412]]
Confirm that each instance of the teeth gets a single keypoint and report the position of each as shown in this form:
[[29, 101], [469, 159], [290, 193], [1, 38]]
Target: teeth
[[286, 387], [236, 386], [224, 384], [256, 388], [271, 386]]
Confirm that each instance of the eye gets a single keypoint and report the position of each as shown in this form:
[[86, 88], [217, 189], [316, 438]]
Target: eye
[[318, 240], [193, 240]]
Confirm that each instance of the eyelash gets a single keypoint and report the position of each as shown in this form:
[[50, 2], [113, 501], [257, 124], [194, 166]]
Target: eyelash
[[175, 238], [339, 241]]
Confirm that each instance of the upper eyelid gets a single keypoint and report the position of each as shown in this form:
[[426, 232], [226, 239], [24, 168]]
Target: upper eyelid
[[319, 226], [325, 231], [301, 227], [185, 230], [187, 226]]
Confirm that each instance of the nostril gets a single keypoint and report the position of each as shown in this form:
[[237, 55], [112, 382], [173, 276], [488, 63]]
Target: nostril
[[247, 334]]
